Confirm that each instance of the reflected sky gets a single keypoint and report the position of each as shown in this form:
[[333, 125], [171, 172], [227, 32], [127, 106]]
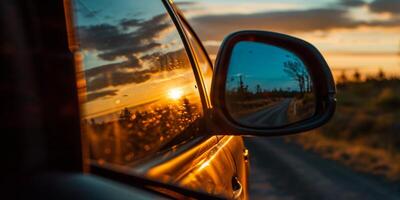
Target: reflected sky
[[129, 48], [356, 34], [102, 12], [268, 73], [120, 24]]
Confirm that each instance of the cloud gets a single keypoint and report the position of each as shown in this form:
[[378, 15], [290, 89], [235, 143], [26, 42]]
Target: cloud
[[388, 23], [385, 6], [91, 14], [112, 75], [115, 41], [214, 27], [85, 11], [126, 23], [96, 95], [352, 3], [126, 39], [122, 73], [128, 51], [185, 3]]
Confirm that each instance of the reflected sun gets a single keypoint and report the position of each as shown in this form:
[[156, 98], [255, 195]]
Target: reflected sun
[[175, 93]]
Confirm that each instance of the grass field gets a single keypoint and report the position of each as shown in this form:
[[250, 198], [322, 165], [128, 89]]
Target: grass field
[[365, 131]]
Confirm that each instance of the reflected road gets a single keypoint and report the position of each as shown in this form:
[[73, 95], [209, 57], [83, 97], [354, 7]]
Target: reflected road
[[275, 115]]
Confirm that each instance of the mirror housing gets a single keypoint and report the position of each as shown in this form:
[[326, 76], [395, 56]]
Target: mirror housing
[[221, 121]]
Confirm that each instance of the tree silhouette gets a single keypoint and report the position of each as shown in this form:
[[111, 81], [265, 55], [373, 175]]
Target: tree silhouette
[[297, 72], [242, 89], [357, 75], [343, 77], [187, 108], [381, 75], [258, 89], [125, 115]]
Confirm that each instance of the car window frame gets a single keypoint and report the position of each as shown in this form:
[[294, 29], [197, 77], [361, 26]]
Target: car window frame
[[182, 18], [186, 26], [178, 20]]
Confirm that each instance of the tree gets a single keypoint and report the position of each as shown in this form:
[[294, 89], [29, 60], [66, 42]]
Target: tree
[[258, 89], [297, 72], [343, 77], [188, 109], [357, 75], [242, 89], [125, 115], [381, 75]]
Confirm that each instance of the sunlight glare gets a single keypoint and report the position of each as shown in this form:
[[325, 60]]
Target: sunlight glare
[[175, 93]]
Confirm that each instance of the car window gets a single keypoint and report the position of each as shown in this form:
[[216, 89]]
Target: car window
[[201, 57], [137, 88]]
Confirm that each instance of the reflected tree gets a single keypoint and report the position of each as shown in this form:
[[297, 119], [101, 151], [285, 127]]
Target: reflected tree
[[242, 89], [125, 115], [258, 89], [135, 135], [298, 73]]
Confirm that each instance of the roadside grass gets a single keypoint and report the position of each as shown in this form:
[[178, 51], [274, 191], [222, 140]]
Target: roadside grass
[[301, 108], [354, 154], [365, 131]]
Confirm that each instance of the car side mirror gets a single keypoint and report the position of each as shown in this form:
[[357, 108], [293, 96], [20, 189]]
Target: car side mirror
[[270, 84]]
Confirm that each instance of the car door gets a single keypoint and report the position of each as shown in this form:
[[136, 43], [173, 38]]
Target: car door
[[143, 102]]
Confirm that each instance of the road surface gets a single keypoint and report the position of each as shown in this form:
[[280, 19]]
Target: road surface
[[275, 115], [280, 170]]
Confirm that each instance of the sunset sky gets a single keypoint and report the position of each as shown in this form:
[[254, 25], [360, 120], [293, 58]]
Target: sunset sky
[[126, 53], [351, 34]]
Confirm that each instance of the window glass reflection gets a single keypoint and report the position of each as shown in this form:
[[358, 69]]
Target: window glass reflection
[[139, 95]]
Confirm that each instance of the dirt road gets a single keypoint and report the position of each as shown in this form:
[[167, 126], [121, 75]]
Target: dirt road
[[281, 170]]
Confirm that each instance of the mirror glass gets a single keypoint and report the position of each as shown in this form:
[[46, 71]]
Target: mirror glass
[[267, 86]]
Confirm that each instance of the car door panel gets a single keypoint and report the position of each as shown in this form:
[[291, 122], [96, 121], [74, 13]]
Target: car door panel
[[207, 167], [239, 155]]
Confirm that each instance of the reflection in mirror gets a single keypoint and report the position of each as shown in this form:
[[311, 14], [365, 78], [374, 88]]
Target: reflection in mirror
[[267, 86]]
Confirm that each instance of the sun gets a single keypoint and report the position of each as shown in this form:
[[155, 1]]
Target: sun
[[175, 93]]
